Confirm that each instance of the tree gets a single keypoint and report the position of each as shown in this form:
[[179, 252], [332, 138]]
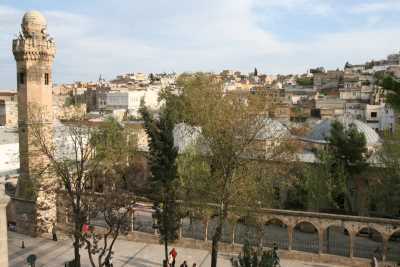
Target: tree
[[323, 183], [305, 81], [110, 199], [392, 88], [348, 147], [385, 191], [229, 123], [251, 258], [78, 169], [162, 156]]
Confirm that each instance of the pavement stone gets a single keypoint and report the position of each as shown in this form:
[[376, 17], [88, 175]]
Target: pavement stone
[[129, 253]]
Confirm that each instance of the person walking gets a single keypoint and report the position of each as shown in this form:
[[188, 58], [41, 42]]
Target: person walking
[[184, 264], [54, 232], [194, 265], [173, 253]]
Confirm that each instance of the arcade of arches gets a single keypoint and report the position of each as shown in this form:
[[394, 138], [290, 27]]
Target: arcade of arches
[[318, 233]]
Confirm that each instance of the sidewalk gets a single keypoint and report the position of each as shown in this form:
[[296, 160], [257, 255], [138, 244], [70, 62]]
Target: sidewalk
[[128, 253]]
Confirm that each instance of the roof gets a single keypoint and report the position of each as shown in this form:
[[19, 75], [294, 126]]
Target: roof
[[272, 129], [9, 147], [321, 132]]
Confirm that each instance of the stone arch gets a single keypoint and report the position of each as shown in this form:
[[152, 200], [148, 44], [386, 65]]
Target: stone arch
[[275, 232], [393, 247], [337, 224], [306, 236], [316, 226], [336, 240], [368, 242]]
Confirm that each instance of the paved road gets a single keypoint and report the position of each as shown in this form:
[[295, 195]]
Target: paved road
[[129, 253]]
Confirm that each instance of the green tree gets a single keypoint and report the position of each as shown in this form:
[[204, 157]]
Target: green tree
[[385, 191], [251, 258], [229, 127], [323, 183], [348, 147], [392, 87], [305, 81], [84, 163], [162, 157]]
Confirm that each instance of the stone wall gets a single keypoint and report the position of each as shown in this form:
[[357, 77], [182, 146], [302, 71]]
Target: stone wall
[[11, 119], [23, 213]]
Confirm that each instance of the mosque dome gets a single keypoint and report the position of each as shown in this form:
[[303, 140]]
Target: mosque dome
[[272, 129], [322, 130], [33, 22]]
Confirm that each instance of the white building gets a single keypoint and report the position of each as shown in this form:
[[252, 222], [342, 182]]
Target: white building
[[131, 100], [380, 117], [362, 93]]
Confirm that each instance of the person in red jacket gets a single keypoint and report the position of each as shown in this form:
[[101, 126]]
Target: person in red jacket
[[173, 253]]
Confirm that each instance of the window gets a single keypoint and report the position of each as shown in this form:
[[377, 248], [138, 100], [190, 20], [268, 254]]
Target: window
[[21, 78], [374, 114], [46, 79]]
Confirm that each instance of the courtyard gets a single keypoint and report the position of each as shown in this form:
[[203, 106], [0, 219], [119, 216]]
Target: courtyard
[[128, 253]]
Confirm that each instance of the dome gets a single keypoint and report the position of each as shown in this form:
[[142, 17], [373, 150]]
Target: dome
[[322, 130], [185, 136], [33, 22], [272, 129]]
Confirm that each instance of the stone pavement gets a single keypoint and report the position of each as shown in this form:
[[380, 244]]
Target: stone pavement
[[128, 253]]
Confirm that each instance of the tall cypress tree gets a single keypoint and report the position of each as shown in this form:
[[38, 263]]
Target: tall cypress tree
[[348, 146], [162, 158]]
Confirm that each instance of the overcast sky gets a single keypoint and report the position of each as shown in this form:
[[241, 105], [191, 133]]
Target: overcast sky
[[110, 37]]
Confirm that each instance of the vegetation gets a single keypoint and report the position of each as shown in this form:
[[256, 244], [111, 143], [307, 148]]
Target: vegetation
[[348, 147], [89, 178], [323, 183], [227, 148], [163, 167], [305, 81], [392, 88], [385, 191], [252, 258]]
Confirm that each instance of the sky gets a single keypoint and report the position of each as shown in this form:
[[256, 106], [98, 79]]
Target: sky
[[110, 37]]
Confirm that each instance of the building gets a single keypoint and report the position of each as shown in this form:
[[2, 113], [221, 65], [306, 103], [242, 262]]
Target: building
[[380, 117], [330, 107], [328, 80], [131, 100], [34, 53], [8, 109]]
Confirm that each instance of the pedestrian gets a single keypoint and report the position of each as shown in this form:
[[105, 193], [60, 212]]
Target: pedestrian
[[184, 264], [170, 260], [194, 264], [173, 253], [374, 262], [108, 262], [54, 232]]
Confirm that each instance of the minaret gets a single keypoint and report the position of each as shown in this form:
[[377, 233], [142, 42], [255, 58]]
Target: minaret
[[34, 52]]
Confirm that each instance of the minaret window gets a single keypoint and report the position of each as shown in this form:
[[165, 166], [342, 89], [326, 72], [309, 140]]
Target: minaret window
[[46, 79], [21, 78]]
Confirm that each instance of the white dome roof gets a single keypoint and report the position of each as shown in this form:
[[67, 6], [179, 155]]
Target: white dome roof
[[34, 17], [322, 130], [272, 130], [33, 22], [185, 136]]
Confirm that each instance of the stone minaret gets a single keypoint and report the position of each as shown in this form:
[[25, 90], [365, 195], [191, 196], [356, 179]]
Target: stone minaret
[[34, 52]]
